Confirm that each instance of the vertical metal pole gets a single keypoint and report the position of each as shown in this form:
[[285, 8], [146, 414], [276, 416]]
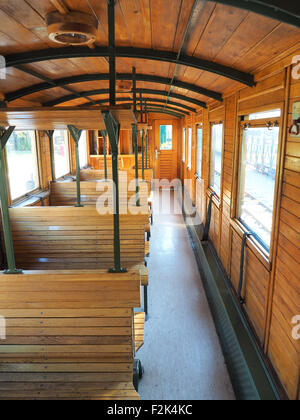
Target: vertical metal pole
[[134, 88], [141, 105], [112, 52], [146, 149], [50, 134], [75, 133], [10, 255], [104, 135], [143, 154], [136, 151], [113, 130]]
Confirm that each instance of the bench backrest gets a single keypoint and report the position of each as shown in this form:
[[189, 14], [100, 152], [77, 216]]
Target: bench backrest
[[65, 193], [93, 174], [68, 335], [74, 238]]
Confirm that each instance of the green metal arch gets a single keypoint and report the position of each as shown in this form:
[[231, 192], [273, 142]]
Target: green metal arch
[[11, 96], [283, 11], [29, 57], [69, 98], [145, 99]]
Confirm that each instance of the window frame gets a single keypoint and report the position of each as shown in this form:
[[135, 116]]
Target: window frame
[[69, 156], [218, 196], [189, 148], [199, 175], [37, 153], [166, 125], [265, 256], [84, 132], [184, 145]]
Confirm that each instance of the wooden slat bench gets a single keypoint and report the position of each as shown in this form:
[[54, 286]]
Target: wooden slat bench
[[58, 238], [93, 174], [69, 335], [65, 193], [139, 330]]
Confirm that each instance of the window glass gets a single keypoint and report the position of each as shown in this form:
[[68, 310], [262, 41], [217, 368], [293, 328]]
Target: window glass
[[190, 149], [61, 153], [267, 114], [166, 137], [183, 145], [216, 157], [22, 163], [257, 181], [83, 157], [199, 150]]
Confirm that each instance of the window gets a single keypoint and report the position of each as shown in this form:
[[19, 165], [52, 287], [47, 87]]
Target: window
[[22, 163], [61, 153], [216, 157], [183, 145], [83, 157], [199, 150], [259, 152], [166, 137], [189, 165]]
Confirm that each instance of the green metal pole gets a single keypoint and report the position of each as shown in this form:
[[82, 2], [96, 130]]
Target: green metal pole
[[50, 134], [10, 255], [113, 130], [146, 149], [143, 154], [75, 133], [136, 151], [104, 135]]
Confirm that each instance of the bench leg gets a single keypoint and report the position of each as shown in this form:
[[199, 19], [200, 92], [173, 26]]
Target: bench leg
[[138, 372], [148, 236], [146, 302]]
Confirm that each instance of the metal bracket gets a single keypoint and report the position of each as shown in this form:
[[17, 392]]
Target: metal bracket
[[50, 134], [76, 134], [104, 135], [136, 153], [240, 288], [113, 131], [208, 218]]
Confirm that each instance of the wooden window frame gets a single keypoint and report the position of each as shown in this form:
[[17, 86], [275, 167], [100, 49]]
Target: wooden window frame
[[265, 256], [37, 152], [217, 198], [198, 175], [69, 146]]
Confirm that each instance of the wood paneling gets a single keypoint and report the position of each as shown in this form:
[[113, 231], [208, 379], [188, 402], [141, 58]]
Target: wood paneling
[[69, 335]]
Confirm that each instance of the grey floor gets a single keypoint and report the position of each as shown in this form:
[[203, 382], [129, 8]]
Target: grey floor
[[182, 356]]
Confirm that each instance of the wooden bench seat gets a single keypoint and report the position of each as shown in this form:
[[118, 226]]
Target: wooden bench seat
[[65, 193], [139, 330], [69, 335], [96, 174], [60, 238]]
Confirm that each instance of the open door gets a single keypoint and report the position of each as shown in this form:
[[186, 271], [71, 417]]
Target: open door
[[166, 149]]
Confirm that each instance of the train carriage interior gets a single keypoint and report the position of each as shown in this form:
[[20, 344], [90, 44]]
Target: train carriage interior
[[150, 200]]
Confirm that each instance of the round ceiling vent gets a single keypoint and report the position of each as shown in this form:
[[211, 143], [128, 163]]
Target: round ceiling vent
[[74, 28]]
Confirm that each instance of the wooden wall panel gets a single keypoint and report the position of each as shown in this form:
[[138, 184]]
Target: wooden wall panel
[[271, 285], [283, 350]]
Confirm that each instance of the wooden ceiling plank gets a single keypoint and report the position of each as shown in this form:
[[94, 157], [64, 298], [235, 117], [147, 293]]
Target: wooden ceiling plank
[[60, 118]]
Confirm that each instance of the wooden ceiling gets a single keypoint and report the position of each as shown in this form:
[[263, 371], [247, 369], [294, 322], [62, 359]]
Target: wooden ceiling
[[211, 31]]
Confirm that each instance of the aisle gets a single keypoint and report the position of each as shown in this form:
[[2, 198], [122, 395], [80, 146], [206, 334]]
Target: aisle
[[182, 355]]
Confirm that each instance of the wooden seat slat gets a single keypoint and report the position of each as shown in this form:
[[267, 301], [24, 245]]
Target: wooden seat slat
[[69, 335]]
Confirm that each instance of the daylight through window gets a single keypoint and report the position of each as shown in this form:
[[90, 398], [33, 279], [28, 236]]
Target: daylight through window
[[216, 157], [22, 163], [257, 180], [61, 153]]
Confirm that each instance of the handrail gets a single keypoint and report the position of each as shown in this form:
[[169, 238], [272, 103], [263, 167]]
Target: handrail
[[241, 281], [208, 218]]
